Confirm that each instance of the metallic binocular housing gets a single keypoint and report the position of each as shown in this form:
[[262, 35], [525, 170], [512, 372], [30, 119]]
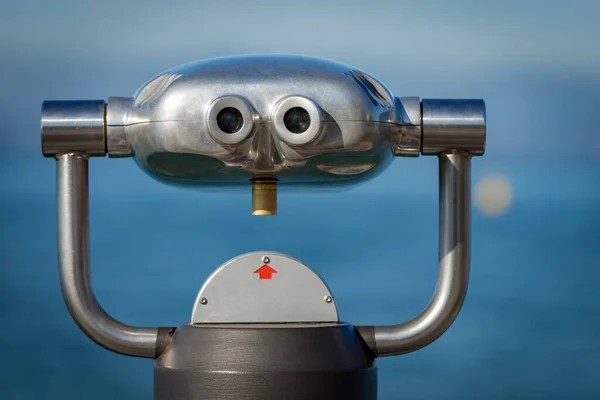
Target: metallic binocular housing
[[299, 120]]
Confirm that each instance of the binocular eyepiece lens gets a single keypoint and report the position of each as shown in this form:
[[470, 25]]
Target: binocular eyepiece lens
[[230, 120], [297, 120]]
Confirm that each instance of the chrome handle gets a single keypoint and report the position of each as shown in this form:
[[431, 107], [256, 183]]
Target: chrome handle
[[454, 130], [60, 123]]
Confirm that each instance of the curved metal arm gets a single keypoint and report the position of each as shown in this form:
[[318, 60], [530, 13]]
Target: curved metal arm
[[453, 273], [74, 260]]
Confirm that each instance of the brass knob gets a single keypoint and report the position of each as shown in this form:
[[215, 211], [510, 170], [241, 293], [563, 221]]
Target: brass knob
[[264, 196]]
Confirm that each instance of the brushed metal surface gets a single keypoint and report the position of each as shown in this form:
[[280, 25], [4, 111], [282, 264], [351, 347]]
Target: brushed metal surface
[[235, 293]]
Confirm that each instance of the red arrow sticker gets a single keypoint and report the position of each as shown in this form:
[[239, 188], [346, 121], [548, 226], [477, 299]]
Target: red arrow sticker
[[265, 272]]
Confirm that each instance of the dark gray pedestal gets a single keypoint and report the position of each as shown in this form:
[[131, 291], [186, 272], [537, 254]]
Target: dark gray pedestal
[[287, 361]]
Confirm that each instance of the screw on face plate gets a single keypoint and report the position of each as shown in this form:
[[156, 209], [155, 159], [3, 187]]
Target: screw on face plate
[[203, 301], [266, 260], [328, 299]]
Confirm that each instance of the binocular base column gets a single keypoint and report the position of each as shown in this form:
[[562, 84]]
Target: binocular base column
[[266, 361]]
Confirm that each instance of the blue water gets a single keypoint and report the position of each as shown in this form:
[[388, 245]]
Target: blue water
[[529, 327]]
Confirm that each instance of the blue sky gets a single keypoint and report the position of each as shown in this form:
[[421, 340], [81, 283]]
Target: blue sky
[[482, 35]]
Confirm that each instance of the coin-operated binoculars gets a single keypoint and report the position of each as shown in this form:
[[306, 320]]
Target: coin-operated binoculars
[[264, 325]]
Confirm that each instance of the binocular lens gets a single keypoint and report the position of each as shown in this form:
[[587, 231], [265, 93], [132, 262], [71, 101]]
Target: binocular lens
[[296, 120], [230, 120]]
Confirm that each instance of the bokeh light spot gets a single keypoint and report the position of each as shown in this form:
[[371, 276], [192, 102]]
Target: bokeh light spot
[[493, 195]]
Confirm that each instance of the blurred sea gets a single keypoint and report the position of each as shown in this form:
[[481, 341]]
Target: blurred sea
[[529, 327]]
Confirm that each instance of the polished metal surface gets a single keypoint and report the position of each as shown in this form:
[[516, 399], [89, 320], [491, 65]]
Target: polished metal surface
[[248, 290], [406, 136], [73, 126], [453, 125], [74, 260], [356, 124], [172, 130], [453, 269], [117, 110]]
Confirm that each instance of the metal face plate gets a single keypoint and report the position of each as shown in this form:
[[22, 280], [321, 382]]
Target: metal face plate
[[353, 118], [264, 287]]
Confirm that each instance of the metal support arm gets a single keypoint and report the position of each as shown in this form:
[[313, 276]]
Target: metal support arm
[[454, 130], [453, 269], [72, 131], [74, 263]]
